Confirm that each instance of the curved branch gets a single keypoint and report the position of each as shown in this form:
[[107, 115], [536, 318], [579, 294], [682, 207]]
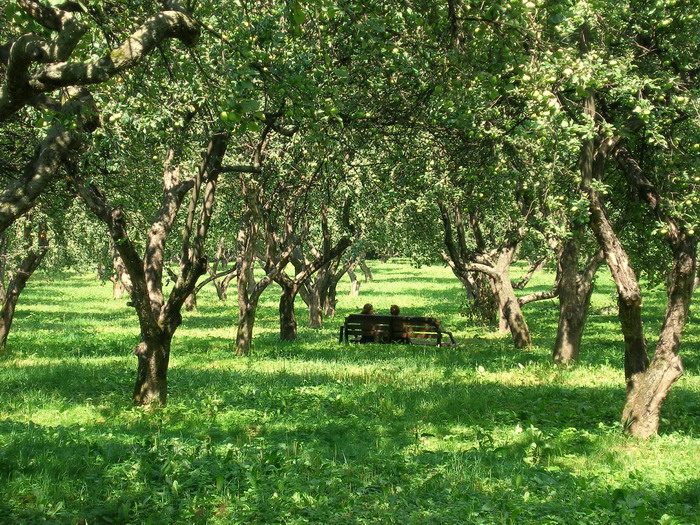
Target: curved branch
[[223, 273], [19, 195], [20, 87], [168, 24], [537, 296], [47, 17]]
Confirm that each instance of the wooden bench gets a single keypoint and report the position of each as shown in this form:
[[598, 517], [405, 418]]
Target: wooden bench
[[360, 328]]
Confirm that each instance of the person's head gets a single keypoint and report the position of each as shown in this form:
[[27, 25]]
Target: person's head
[[395, 310], [368, 309]]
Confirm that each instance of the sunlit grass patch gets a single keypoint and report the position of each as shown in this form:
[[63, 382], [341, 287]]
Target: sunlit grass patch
[[320, 432]]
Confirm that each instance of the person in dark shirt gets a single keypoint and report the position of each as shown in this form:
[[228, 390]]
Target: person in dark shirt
[[369, 329], [399, 331]]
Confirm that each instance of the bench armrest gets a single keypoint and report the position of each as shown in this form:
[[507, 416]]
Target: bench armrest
[[452, 339]]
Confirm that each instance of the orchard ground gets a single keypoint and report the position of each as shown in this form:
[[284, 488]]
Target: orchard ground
[[319, 432]]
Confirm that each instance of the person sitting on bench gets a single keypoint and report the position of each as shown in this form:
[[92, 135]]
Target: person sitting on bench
[[399, 331], [369, 330]]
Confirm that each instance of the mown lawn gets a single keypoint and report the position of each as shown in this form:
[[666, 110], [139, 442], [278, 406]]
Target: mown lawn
[[324, 433]]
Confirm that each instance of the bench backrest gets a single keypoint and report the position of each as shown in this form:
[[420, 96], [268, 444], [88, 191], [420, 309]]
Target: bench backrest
[[388, 328]]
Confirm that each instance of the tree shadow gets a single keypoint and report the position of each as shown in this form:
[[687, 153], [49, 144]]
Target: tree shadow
[[376, 443]]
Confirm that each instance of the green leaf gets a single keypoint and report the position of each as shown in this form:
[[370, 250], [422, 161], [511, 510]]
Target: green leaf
[[249, 106], [298, 15]]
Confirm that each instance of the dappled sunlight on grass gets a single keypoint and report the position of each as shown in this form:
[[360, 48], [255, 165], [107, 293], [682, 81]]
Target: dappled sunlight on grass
[[320, 432]]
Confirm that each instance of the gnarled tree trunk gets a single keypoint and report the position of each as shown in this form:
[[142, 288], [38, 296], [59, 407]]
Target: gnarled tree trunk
[[36, 67], [493, 264], [575, 292], [366, 270], [288, 320], [19, 280], [246, 322], [511, 311], [305, 269], [153, 353], [648, 389], [191, 302], [311, 295], [121, 282], [354, 284], [159, 318]]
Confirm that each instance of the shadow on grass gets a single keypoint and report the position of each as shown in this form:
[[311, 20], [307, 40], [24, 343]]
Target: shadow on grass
[[377, 392], [318, 432], [357, 441]]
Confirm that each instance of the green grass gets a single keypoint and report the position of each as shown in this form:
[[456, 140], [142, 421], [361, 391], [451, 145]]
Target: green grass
[[318, 432]]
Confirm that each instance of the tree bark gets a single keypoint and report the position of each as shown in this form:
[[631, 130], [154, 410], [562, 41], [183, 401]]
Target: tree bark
[[648, 389], [629, 295], [121, 282], [593, 160], [158, 318], [366, 270], [535, 267], [36, 66], [20, 194], [246, 322], [153, 355], [315, 311], [575, 291], [25, 82], [291, 287], [247, 298], [331, 297], [354, 284], [191, 302], [310, 292], [249, 291], [288, 321], [18, 282], [494, 265], [511, 311]]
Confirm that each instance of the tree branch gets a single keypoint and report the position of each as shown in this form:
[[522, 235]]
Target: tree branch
[[21, 86], [53, 153]]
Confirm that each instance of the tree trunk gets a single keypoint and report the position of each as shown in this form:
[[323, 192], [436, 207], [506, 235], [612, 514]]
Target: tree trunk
[[636, 357], [191, 302], [503, 326], [7, 314], [288, 321], [151, 376], [121, 282], [647, 390], [315, 308], [246, 321], [366, 270], [629, 295], [19, 280], [535, 267], [480, 291], [222, 285], [354, 284], [331, 299], [511, 311], [574, 301], [118, 289]]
